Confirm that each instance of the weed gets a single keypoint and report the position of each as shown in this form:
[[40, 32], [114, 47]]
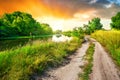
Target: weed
[[87, 68]]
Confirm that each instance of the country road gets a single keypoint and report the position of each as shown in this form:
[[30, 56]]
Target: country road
[[103, 66], [71, 70]]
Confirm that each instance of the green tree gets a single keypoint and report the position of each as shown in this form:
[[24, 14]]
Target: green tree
[[78, 32], [67, 33], [58, 32], [47, 29], [21, 24], [116, 21], [93, 25]]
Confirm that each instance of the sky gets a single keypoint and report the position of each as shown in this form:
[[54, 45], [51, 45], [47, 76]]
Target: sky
[[64, 14]]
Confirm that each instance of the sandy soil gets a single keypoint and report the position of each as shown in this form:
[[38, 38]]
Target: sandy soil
[[71, 70], [103, 66]]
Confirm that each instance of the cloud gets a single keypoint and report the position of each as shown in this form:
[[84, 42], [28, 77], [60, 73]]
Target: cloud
[[94, 8], [108, 12], [67, 13], [108, 5], [93, 1], [103, 1], [82, 9], [115, 1]]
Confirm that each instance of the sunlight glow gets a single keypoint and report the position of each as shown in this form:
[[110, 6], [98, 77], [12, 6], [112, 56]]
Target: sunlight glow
[[79, 15], [68, 24], [85, 16], [61, 24], [55, 23]]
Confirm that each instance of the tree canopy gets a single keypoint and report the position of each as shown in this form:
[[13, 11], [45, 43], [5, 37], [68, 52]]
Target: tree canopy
[[21, 24], [116, 21], [93, 25], [46, 28]]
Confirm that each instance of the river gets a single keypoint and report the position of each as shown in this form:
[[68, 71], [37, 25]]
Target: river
[[14, 43]]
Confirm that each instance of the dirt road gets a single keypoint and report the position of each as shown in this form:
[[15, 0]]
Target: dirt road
[[71, 70], [103, 66]]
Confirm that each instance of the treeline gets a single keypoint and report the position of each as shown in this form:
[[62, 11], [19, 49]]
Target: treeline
[[21, 24], [89, 28]]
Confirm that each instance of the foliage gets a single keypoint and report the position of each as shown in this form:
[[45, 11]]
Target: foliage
[[111, 40], [87, 68], [67, 33], [76, 32], [20, 24], [116, 21], [93, 25], [23, 62], [58, 32], [47, 29]]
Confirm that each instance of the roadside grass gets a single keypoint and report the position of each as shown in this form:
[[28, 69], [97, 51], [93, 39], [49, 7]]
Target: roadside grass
[[111, 41], [23, 62], [87, 68]]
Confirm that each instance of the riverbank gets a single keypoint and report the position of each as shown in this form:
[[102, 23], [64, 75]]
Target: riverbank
[[69, 71], [23, 62]]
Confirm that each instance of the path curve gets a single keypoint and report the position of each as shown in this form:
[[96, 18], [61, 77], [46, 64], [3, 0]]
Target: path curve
[[103, 66], [72, 69]]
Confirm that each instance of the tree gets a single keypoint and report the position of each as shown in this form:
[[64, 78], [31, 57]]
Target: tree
[[58, 32], [47, 29], [78, 32], [67, 33], [93, 25], [21, 24], [115, 21]]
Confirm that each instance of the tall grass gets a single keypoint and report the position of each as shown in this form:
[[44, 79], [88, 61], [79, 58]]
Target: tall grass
[[23, 62], [111, 40]]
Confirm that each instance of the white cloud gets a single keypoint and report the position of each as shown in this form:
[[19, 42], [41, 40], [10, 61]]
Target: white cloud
[[93, 1], [108, 5]]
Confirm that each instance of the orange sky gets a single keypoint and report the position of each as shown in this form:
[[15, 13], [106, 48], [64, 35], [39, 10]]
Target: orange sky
[[60, 12], [35, 7], [62, 8]]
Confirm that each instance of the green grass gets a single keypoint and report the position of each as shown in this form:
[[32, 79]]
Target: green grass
[[87, 68], [111, 41], [23, 62]]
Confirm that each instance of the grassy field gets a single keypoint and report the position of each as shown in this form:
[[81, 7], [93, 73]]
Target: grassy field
[[23, 62], [87, 68], [111, 41]]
